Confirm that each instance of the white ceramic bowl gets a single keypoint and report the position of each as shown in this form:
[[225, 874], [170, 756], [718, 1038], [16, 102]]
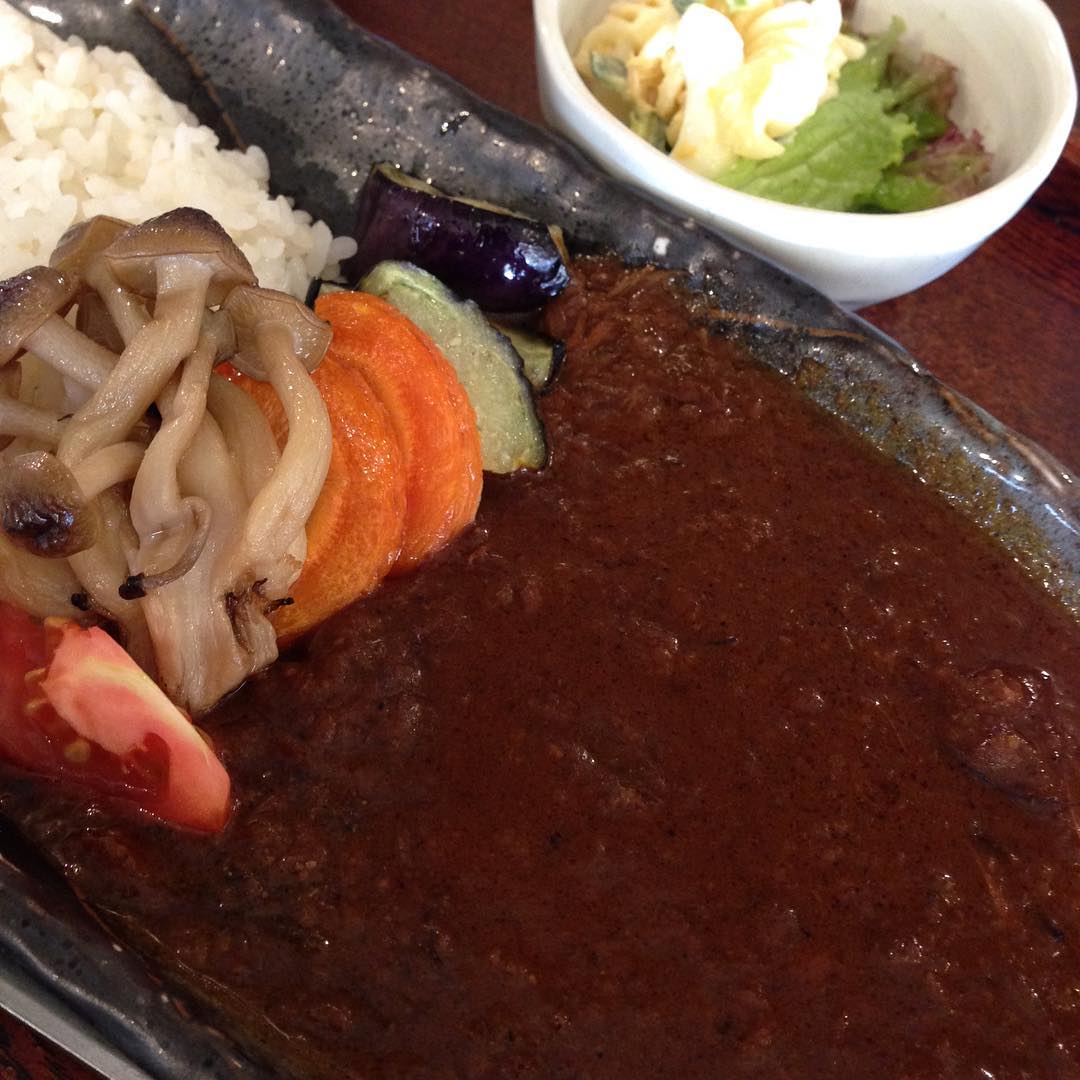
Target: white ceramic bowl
[[1017, 88]]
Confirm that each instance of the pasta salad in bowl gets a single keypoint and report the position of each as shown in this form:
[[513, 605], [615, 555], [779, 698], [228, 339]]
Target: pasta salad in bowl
[[774, 98], [867, 152]]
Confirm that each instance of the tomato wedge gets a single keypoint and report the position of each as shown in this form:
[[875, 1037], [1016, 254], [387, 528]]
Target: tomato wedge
[[74, 706]]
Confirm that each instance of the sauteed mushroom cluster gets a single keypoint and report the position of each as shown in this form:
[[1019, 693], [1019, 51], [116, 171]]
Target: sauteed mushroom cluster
[[138, 485]]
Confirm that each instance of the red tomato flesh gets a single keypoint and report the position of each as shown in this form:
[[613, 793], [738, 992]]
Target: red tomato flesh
[[74, 706]]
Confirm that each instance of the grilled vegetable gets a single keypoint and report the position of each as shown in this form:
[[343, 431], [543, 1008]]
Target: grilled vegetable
[[355, 530], [501, 260], [428, 410], [511, 435], [541, 357]]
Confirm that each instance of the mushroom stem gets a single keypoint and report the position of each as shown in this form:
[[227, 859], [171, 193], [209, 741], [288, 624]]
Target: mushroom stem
[[41, 587], [140, 584], [246, 430], [281, 509], [21, 421], [201, 656], [108, 466], [157, 508], [145, 365], [126, 309], [103, 568], [74, 355]]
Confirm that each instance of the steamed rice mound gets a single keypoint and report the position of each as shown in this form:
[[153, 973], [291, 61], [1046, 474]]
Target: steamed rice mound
[[85, 132]]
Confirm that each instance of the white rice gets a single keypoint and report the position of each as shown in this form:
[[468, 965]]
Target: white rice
[[85, 132]]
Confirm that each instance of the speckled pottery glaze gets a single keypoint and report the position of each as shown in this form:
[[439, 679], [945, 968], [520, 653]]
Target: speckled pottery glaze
[[326, 100]]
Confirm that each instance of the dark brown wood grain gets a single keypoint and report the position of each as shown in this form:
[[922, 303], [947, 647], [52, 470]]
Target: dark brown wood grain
[[1003, 327]]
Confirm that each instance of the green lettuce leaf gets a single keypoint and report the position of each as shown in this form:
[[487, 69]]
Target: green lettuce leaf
[[897, 193], [884, 144], [868, 72], [834, 159]]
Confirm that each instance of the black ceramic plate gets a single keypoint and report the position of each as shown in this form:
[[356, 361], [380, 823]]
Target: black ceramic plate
[[326, 102]]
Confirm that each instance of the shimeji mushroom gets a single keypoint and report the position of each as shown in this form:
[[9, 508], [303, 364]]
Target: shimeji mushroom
[[201, 652], [281, 341], [43, 507], [210, 627], [76, 253], [83, 242], [102, 570], [30, 320], [41, 502], [181, 263], [173, 528], [209, 536], [185, 262], [46, 506], [49, 509]]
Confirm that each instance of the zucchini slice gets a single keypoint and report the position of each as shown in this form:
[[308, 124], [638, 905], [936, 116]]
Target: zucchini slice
[[541, 357], [511, 434]]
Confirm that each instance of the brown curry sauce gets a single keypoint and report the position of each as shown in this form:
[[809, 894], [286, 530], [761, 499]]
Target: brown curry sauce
[[720, 748]]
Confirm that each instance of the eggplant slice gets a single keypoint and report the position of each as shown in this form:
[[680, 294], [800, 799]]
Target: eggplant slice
[[361, 101], [503, 261]]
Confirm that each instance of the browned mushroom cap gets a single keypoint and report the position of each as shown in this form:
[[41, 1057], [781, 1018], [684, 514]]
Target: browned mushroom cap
[[43, 509], [261, 315], [185, 232], [30, 307], [26, 302], [85, 240], [74, 254]]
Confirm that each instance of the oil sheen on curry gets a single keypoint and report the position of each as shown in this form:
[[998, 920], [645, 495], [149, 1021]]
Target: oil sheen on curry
[[718, 748]]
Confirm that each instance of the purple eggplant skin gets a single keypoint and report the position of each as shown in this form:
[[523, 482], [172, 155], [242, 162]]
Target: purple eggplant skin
[[506, 263]]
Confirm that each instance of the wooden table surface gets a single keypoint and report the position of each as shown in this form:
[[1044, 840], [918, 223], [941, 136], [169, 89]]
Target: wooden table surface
[[1003, 327]]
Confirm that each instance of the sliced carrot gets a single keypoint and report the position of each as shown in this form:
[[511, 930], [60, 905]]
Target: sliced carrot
[[354, 533], [430, 412]]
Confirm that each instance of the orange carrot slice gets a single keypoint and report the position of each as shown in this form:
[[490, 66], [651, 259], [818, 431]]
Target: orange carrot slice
[[430, 412], [354, 533]]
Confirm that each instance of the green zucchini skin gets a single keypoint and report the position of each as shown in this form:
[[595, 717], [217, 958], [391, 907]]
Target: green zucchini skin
[[541, 356], [512, 436]]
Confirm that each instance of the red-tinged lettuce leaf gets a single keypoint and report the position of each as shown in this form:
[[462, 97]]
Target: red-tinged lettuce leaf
[[950, 168], [924, 90]]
